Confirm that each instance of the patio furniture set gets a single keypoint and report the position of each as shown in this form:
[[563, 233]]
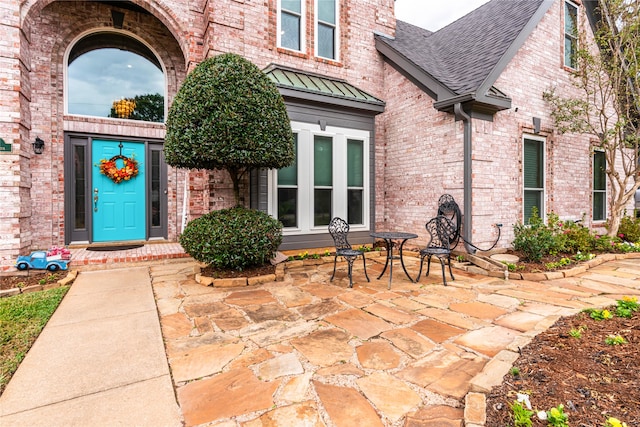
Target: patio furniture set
[[443, 232]]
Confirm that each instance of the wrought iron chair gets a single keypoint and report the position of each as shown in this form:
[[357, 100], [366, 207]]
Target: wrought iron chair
[[448, 207], [339, 228], [440, 230]]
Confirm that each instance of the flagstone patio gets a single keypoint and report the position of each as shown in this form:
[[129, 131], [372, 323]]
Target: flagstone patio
[[315, 352]]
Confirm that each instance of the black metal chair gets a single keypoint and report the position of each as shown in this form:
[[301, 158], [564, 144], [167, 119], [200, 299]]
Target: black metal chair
[[339, 228], [440, 230], [448, 207]]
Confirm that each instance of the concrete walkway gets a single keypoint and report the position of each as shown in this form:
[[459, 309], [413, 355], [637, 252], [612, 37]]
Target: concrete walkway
[[303, 351], [100, 360]]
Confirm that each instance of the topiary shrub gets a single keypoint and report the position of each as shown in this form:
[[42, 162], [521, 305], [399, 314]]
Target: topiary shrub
[[228, 115], [232, 239]]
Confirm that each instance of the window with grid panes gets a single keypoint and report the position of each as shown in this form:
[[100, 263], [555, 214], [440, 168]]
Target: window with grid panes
[[327, 28], [570, 34], [329, 178]]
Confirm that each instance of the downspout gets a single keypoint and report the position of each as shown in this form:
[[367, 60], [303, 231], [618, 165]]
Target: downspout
[[467, 179]]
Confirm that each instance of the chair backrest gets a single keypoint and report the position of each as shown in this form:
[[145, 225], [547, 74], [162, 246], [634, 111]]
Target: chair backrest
[[448, 207], [339, 228], [440, 229]]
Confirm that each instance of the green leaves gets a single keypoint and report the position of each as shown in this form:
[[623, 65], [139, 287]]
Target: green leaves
[[228, 113], [233, 239]]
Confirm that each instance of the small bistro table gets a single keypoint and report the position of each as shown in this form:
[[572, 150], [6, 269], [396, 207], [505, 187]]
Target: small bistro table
[[389, 237]]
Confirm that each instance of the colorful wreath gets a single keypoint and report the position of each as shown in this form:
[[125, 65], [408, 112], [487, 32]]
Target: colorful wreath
[[117, 175]]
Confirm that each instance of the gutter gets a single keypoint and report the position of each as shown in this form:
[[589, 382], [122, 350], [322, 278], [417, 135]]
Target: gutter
[[467, 180]]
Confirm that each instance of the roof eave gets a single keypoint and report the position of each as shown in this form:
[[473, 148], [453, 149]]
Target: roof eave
[[308, 96], [417, 75], [515, 46], [483, 104]]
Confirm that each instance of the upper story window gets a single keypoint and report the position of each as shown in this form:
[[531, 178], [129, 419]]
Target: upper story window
[[291, 24], [327, 34], [570, 35], [113, 75]]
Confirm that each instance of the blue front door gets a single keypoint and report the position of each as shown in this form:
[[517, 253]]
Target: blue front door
[[118, 207]]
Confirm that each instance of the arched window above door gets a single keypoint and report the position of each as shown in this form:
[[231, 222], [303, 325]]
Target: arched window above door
[[113, 75]]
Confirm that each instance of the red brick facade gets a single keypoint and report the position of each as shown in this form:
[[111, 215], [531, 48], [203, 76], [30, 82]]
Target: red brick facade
[[418, 150], [36, 36], [422, 152]]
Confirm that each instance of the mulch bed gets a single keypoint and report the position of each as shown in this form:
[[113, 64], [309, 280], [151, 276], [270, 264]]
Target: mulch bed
[[592, 379], [34, 277]]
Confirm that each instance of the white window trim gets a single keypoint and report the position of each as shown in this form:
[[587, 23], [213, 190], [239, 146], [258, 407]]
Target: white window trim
[[543, 140], [306, 133], [302, 27], [564, 34], [336, 34]]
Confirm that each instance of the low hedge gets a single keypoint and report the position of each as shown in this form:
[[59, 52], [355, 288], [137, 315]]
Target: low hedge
[[232, 239]]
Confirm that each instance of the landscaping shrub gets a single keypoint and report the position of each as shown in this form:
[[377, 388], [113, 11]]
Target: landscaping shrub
[[534, 240], [537, 239], [232, 239], [629, 229]]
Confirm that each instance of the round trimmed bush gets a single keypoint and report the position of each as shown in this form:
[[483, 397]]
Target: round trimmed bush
[[232, 239]]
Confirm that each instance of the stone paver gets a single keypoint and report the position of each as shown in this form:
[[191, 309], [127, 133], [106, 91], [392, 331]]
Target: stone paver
[[324, 347], [391, 396], [345, 405], [436, 331], [203, 361], [358, 323], [490, 340], [302, 414], [226, 395], [307, 351], [378, 355], [409, 341]]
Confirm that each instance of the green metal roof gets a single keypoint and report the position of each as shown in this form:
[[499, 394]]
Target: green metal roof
[[313, 84]]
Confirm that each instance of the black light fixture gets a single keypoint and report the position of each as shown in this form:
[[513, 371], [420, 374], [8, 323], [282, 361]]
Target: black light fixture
[[536, 125], [38, 145]]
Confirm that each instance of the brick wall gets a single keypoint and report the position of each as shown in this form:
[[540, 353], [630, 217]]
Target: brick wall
[[35, 37], [422, 155]]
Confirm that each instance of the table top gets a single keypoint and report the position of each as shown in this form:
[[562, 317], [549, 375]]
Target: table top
[[393, 235]]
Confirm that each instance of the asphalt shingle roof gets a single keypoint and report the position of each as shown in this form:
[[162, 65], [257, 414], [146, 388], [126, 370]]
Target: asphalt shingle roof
[[463, 54]]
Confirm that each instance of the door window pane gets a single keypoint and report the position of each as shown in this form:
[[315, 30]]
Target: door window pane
[[80, 185], [155, 188]]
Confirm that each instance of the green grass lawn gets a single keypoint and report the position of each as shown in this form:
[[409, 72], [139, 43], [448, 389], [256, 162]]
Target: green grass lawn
[[22, 317]]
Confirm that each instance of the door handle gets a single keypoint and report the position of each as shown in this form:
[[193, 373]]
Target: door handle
[[95, 200]]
